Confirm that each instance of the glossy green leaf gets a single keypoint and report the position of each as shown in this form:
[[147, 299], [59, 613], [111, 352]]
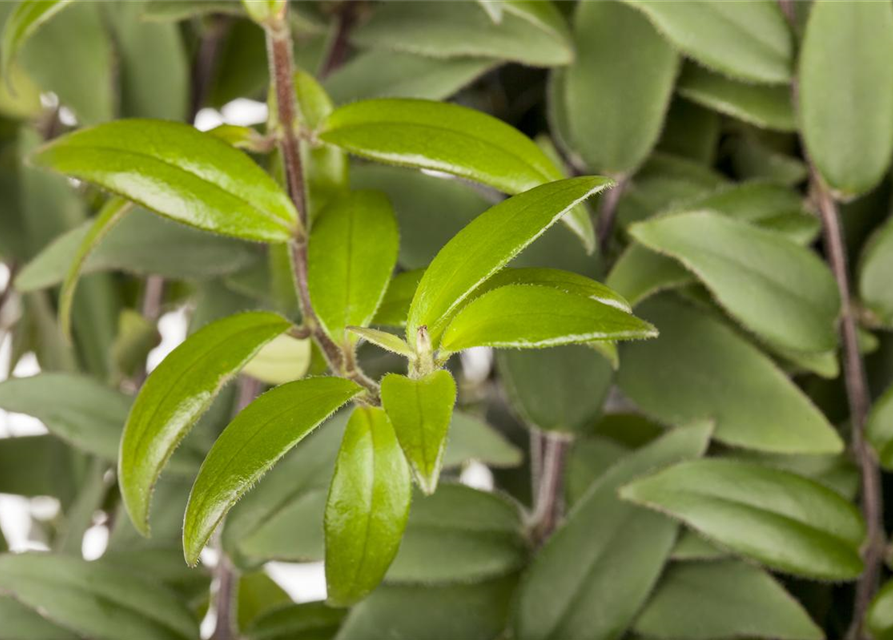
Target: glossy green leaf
[[175, 395], [782, 292], [383, 339], [273, 424], [459, 534], [780, 519], [281, 360], [640, 273], [768, 107], [530, 35], [559, 389], [846, 93], [750, 41], [351, 256], [313, 620], [702, 368], [875, 268], [367, 507], [879, 428], [420, 410], [532, 317], [95, 600], [24, 20], [486, 244], [448, 138], [727, 599], [76, 408], [179, 172], [595, 572], [618, 88], [473, 439], [879, 617]]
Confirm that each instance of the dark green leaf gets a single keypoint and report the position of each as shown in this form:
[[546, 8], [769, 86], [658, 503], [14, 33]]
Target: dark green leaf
[[473, 439], [311, 620], [879, 428]]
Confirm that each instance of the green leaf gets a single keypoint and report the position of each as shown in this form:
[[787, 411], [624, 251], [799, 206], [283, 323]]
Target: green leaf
[[420, 410], [878, 429], [34, 466], [531, 317], [755, 159], [473, 439], [782, 292], [383, 339], [392, 74], [25, 19], [141, 243], [20, 622], [700, 367], [727, 599], [486, 244], [110, 214], [367, 507], [175, 395], [76, 408], [274, 423], [691, 546], [768, 107], [560, 389], [95, 600], [351, 256], [750, 41], [690, 131], [846, 52], [879, 617], [257, 593], [448, 138], [607, 552], [459, 535], [531, 35], [281, 360], [782, 520], [875, 267], [640, 273], [312, 620], [179, 172], [618, 88]]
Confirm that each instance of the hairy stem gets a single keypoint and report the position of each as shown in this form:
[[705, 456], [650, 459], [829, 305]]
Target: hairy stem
[[549, 502], [607, 215], [224, 601]]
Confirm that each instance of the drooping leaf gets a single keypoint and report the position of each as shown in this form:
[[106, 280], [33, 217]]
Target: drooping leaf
[[846, 93], [780, 519], [252, 443], [749, 41], [367, 507], [473, 439], [875, 267], [879, 428], [175, 395], [95, 600], [24, 20], [595, 572], [618, 88], [281, 360], [768, 107], [702, 368], [727, 599], [313, 620], [448, 138], [351, 256], [530, 316], [487, 244], [782, 292], [533, 35], [179, 172], [420, 410]]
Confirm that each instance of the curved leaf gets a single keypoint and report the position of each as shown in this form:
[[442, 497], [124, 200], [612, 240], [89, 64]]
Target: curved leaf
[[179, 172], [367, 507], [780, 519], [24, 20], [252, 443], [176, 394]]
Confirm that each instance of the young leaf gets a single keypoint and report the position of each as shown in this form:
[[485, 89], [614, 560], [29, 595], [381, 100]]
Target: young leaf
[[252, 443], [175, 395], [607, 552], [383, 339], [351, 255], [531, 317], [726, 599], [178, 172], [750, 41], [879, 428], [875, 268], [24, 20], [367, 507], [420, 410], [96, 600], [846, 93], [618, 87], [780, 519], [449, 138], [782, 292], [487, 244], [112, 212], [700, 367], [768, 107]]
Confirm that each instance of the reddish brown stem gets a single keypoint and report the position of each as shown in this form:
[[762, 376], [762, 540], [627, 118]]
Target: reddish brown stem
[[337, 53], [607, 215], [549, 501]]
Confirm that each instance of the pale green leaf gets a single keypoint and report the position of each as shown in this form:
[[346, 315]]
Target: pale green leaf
[[383, 339], [281, 360], [25, 19]]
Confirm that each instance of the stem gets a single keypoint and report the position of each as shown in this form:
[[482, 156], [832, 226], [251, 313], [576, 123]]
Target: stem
[[549, 504], [153, 296], [607, 214], [337, 53], [206, 61], [227, 579]]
